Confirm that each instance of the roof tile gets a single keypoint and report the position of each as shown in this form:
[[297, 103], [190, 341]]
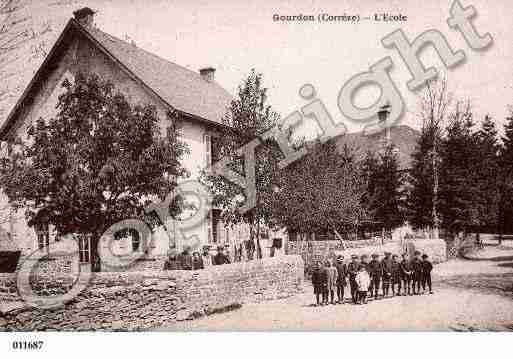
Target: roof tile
[[181, 88]]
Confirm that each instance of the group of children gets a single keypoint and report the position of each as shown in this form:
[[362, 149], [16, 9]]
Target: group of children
[[365, 278]]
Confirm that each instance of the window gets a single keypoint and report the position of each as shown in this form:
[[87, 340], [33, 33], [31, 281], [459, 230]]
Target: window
[[216, 216], [84, 248], [215, 148], [209, 227], [213, 221], [208, 149], [4, 149], [56, 236], [43, 235], [130, 234], [136, 239]]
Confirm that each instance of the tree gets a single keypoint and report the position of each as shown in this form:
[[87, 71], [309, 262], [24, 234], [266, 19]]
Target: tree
[[487, 172], [506, 178], [98, 161], [369, 169], [459, 188], [321, 191], [422, 199], [247, 118], [384, 188], [26, 35]]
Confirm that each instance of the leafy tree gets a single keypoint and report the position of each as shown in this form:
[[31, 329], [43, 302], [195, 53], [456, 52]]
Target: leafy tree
[[98, 161], [422, 198], [247, 118], [321, 191]]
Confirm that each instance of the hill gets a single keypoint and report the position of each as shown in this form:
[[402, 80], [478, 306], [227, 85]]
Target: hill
[[403, 137]]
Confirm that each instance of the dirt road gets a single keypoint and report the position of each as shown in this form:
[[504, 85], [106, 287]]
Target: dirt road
[[473, 294]]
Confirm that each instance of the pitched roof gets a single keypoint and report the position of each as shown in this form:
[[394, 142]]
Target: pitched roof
[[183, 89], [180, 88]]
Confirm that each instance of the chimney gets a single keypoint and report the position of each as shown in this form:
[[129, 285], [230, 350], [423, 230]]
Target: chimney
[[383, 113], [84, 16], [207, 74]]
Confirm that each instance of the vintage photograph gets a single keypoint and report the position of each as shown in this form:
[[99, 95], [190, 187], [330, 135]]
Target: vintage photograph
[[276, 166]]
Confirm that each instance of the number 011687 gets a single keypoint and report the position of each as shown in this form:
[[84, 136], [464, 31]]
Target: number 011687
[[27, 345]]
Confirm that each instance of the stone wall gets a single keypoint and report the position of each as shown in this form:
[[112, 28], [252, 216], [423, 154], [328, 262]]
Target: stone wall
[[322, 250], [313, 251], [435, 249], [146, 263], [238, 283], [144, 300]]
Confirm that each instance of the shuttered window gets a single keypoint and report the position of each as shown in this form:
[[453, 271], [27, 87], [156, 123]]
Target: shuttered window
[[43, 235], [207, 139], [84, 248]]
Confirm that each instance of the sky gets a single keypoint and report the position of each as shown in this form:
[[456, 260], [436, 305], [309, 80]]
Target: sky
[[236, 36]]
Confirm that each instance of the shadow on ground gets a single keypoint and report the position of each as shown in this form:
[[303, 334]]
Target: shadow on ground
[[500, 283], [505, 265], [491, 259]]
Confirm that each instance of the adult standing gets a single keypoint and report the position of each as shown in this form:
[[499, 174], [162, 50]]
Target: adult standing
[[185, 259], [172, 262], [228, 253], [220, 258], [197, 262], [206, 257]]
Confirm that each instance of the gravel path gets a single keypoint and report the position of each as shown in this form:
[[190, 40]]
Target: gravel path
[[470, 295]]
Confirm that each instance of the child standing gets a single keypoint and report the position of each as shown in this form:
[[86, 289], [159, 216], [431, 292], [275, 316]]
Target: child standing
[[396, 276], [352, 271], [341, 278], [417, 268], [427, 267], [331, 282], [375, 270], [406, 274], [363, 281], [387, 273], [319, 281]]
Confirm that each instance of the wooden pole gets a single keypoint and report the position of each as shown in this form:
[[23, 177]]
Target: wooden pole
[[337, 234]]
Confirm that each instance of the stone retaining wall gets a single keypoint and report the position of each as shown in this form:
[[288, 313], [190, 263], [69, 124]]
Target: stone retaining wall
[[143, 300], [239, 283]]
